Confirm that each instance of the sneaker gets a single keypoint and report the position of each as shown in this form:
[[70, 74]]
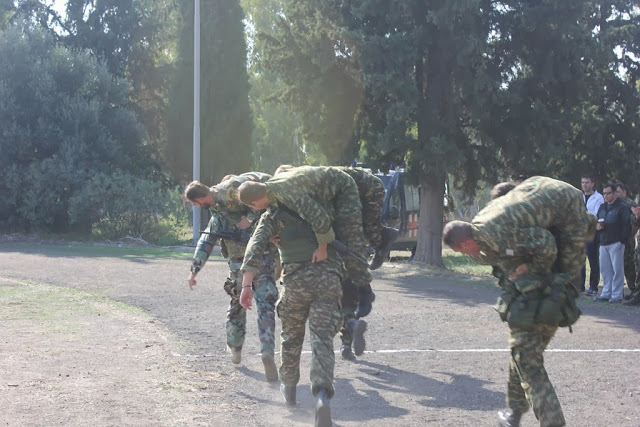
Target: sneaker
[[615, 301], [235, 354], [601, 298], [358, 328], [590, 292], [270, 369], [289, 394], [323, 410], [346, 353]]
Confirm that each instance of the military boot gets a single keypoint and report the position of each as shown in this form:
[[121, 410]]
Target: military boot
[[270, 369], [235, 353], [323, 410], [389, 235], [289, 394], [366, 297], [346, 353], [509, 418], [358, 328]]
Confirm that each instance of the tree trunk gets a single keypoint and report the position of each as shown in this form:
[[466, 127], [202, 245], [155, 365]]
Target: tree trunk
[[429, 248]]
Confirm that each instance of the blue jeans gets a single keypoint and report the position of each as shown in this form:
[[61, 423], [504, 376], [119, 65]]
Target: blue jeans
[[612, 269]]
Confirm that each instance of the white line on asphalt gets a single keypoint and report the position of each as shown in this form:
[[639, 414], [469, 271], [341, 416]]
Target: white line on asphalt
[[467, 350]]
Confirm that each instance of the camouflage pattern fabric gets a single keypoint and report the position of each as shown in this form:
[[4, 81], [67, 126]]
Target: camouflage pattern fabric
[[538, 202], [225, 195], [223, 217], [636, 292], [529, 384], [311, 291], [629, 251], [328, 200], [371, 190], [265, 293]]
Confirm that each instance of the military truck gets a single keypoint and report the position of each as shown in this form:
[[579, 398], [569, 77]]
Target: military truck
[[401, 209]]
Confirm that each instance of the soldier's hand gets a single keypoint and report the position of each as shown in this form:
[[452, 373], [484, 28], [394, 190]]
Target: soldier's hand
[[192, 281], [320, 254], [243, 223], [246, 297], [521, 270]]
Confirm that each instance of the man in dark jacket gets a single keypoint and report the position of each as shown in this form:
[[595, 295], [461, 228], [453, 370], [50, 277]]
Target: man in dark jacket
[[614, 229]]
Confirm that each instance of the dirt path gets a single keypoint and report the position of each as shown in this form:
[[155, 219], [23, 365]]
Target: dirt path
[[73, 350]]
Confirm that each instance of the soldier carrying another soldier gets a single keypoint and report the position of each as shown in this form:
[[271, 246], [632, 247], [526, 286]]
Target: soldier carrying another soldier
[[534, 238]]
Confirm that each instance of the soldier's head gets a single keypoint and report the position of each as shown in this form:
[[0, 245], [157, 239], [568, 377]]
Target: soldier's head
[[587, 183], [609, 193], [621, 191], [199, 195], [254, 195], [501, 189], [458, 236]]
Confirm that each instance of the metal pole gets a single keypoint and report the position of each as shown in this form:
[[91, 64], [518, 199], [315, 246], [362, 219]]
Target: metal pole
[[196, 112]]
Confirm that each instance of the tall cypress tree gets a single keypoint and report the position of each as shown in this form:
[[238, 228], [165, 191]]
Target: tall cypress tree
[[225, 116]]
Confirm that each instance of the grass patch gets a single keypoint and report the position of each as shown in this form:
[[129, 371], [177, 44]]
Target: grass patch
[[463, 264]]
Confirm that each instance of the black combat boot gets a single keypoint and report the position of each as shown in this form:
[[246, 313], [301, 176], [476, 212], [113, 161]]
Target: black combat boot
[[358, 328], [389, 235], [323, 410], [289, 394], [346, 353], [509, 418], [366, 297]]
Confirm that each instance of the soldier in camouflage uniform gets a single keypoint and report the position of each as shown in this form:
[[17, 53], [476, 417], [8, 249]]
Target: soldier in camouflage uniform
[[228, 215], [534, 237], [634, 298], [630, 244], [311, 291]]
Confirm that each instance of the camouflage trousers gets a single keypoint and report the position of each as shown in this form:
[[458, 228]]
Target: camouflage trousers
[[372, 203], [347, 226], [349, 303], [265, 294], [311, 291], [630, 264], [529, 384]]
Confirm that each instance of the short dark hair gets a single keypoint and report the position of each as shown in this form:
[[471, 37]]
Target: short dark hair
[[195, 190], [501, 189], [250, 191], [621, 186], [456, 232], [609, 185], [588, 176]]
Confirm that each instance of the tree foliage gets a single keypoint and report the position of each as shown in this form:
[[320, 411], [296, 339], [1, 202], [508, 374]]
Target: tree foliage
[[65, 120], [476, 89], [225, 115]]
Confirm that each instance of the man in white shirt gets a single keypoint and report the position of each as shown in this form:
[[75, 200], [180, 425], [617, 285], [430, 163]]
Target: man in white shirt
[[592, 201]]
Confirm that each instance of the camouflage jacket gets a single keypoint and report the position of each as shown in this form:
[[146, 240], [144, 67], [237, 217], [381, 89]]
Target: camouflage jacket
[[310, 191], [297, 242], [224, 215], [536, 221]]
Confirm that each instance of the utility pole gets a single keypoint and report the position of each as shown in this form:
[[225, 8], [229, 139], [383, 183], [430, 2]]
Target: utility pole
[[196, 113]]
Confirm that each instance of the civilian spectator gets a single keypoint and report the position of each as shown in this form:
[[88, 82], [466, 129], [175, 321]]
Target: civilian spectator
[[592, 200]]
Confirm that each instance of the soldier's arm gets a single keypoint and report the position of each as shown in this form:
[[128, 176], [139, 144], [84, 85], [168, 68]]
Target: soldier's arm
[[259, 243], [537, 245], [205, 245]]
